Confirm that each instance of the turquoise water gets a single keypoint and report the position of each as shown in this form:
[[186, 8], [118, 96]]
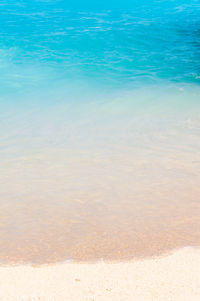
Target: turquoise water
[[99, 128], [49, 43]]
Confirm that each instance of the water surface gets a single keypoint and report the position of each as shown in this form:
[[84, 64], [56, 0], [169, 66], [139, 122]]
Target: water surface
[[99, 129]]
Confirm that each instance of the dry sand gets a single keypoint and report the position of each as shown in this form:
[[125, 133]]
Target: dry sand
[[172, 278]]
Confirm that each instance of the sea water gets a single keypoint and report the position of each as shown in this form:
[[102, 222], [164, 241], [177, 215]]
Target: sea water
[[99, 129]]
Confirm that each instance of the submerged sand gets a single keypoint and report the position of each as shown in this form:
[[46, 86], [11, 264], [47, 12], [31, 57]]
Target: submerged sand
[[173, 277]]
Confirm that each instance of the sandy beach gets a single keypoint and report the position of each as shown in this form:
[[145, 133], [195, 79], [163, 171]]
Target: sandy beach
[[172, 277], [100, 150]]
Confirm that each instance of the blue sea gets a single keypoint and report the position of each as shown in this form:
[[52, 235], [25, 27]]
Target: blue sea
[[99, 129]]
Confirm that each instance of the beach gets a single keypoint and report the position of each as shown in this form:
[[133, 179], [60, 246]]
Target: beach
[[173, 277], [99, 150]]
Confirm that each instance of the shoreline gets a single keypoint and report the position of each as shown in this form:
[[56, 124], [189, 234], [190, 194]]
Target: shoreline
[[171, 277]]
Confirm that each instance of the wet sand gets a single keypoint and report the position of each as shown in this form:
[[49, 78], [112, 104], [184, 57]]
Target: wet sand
[[116, 204], [112, 227], [174, 277]]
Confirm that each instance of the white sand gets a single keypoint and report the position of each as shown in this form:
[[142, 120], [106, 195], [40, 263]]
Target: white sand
[[174, 277]]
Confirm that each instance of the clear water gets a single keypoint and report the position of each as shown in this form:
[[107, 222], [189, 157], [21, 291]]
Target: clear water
[[99, 129]]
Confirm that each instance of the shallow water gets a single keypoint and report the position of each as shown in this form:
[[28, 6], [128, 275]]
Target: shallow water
[[99, 130]]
